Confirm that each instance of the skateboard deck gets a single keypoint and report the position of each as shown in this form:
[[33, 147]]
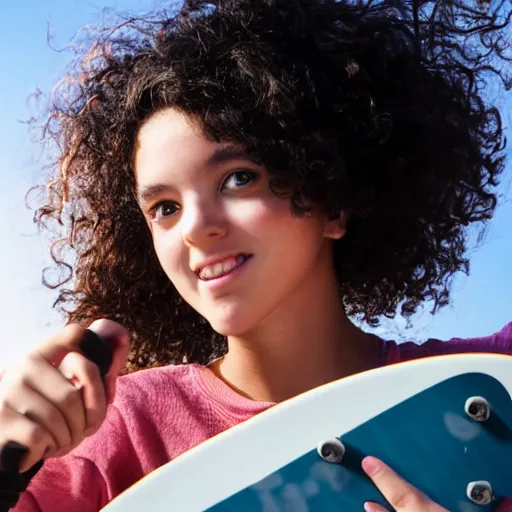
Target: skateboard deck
[[444, 423]]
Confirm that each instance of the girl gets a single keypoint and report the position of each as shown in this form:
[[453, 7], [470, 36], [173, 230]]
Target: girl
[[237, 183]]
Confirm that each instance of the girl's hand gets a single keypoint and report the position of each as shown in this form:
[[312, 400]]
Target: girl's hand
[[402, 496], [54, 396]]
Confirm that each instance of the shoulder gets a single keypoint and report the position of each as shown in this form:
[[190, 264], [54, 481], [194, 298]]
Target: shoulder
[[145, 402], [152, 391], [499, 342], [163, 383], [138, 434]]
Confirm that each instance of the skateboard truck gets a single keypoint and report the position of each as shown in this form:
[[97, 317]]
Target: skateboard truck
[[331, 450], [478, 408], [480, 492], [12, 482]]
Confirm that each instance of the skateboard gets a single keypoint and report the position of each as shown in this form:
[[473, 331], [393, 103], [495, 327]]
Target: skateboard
[[444, 423]]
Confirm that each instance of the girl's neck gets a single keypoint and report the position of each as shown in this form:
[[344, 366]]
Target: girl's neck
[[306, 343]]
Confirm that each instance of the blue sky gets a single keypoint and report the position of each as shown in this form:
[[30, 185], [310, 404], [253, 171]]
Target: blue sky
[[482, 302]]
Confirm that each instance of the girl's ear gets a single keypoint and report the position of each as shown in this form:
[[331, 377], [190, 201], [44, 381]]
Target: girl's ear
[[336, 228]]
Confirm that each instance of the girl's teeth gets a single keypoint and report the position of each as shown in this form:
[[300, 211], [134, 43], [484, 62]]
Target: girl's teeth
[[221, 268], [218, 269], [206, 273]]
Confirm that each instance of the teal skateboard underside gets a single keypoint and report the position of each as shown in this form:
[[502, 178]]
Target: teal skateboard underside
[[428, 438]]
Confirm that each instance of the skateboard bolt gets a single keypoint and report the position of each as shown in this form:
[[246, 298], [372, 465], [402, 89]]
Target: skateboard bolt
[[331, 450], [478, 408], [480, 492]]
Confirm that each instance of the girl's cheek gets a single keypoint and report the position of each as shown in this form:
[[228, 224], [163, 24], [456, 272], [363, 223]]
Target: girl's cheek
[[258, 212], [167, 251]]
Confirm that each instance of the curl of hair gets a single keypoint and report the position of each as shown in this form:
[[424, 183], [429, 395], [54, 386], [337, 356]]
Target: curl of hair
[[376, 109]]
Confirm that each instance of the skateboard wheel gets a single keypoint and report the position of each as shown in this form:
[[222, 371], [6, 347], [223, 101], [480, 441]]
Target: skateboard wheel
[[331, 450], [478, 408], [480, 492]]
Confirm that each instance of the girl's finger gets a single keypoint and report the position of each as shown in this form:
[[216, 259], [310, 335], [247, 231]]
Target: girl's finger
[[370, 506], [55, 348], [401, 495], [117, 338], [85, 375], [21, 429], [40, 411], [49, 382]]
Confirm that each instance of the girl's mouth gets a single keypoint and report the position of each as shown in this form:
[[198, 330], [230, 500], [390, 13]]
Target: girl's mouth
[[222, 268]]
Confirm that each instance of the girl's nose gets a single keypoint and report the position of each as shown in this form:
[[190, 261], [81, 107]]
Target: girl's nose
[[202, 222]]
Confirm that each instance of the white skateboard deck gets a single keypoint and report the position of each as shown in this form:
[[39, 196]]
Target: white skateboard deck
[[412, 415]]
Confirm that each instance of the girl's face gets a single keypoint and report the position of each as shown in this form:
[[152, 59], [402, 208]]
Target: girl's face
[[232, 249]]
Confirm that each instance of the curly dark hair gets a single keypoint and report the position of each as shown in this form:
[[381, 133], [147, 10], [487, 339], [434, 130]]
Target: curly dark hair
[[372, 108]]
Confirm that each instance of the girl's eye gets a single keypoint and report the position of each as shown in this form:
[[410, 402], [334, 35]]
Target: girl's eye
[[239, 179], [163, 209]]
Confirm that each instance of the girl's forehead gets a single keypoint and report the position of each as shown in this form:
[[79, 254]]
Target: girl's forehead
[[168, 126], [170, 138], [170, 144]]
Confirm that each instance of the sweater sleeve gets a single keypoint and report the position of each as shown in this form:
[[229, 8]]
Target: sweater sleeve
[[497, 343], [88, 477], [68, 483]]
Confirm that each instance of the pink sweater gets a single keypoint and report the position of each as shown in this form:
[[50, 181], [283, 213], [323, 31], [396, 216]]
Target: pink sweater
[[160, 413]]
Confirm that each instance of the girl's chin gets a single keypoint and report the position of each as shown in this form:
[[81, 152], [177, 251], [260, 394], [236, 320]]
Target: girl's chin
[[235, 318], [230, 330], [231, 327]]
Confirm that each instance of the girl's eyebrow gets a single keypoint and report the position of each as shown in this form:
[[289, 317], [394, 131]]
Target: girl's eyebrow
[[220, 155], [147, 192], [225, 154]]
